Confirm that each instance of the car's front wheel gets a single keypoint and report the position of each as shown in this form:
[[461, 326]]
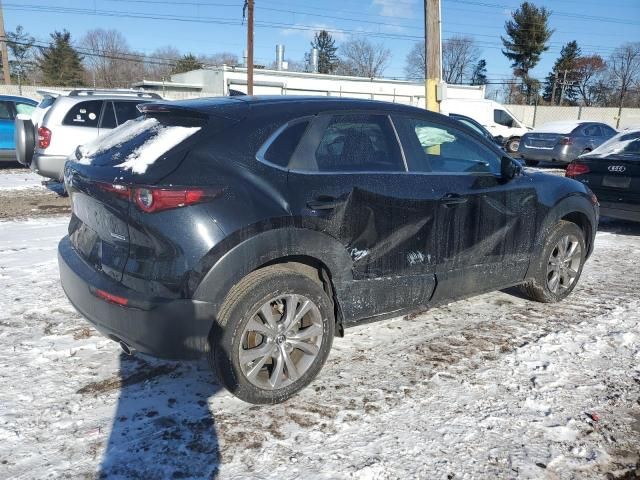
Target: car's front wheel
[[513, 144], [559, 267], [275, 331]]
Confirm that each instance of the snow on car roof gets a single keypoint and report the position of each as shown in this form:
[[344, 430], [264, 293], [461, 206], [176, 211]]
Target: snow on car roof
[[558, 127]]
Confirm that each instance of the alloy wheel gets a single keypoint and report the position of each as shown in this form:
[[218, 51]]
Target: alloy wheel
[[564, 264], [280, 341]]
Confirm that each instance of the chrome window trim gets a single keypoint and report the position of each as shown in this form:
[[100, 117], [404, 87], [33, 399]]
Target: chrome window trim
[[272, 138]]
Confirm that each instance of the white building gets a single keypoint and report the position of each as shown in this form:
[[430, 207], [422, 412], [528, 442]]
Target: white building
[[223, 80]]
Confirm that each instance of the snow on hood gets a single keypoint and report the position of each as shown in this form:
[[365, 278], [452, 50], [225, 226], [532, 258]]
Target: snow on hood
[[146, 154], [615, 145], [557, 127]]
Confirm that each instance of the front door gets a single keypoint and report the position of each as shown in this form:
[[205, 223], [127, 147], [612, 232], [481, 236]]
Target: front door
[[348, 178], [6, 126], [484, 224]]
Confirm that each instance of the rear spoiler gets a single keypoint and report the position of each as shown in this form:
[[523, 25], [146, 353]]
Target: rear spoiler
[[223, 107]]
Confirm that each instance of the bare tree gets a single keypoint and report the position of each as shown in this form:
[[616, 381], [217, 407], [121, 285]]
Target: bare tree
[[221, 58], [109, 60], [460, 55], [159, 64], [415, 62], [624, 68], [588, 70], [362, 58]]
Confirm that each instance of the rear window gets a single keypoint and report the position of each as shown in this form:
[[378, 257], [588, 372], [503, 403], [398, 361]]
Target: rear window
[[46, 101], [137, 144], [84, 114]]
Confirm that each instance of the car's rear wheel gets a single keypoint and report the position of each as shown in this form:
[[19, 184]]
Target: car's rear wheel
[[25, 140], [275, 331], [531, 163], [513, 144], [558, 269]]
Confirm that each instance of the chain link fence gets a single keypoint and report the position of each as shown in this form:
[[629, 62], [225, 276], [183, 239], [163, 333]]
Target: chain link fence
[[536, 115]]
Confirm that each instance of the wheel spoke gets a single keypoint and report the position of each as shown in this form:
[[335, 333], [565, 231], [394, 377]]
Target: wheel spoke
[[276, 375], [267, 314], [572, 273], [292, 371], [553, 281], [253, 371], [262, 328], [302, 311], [291, 305], [308, 348], [307, 333], [564, 245]]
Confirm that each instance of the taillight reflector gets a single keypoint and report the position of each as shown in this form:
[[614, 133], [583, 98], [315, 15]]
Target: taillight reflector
[[44, 137], [109, 297], [575, 169]]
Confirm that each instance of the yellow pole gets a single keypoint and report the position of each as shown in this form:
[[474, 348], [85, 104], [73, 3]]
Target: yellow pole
[[433, 46]]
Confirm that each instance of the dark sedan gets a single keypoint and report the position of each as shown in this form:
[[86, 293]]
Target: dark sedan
[[612, 172], [255, 229]]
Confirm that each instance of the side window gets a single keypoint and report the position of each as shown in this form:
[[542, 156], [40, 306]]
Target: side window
[[502, 118], [126, 111], [359, 143], [592, 131], [440, 148], [607, 131], [282, 148], [5, 111], [84, 114], [24, 108], [108, 116]]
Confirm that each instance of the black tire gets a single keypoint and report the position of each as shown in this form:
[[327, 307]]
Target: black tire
[[531, 163], [243, 301], [25, 140], [513, 144], [537, 288]]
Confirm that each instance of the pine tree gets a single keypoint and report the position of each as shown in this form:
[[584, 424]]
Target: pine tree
[[527, 36], [21, 48], [60, 63], [479, 75], [187, 63], [566, 62], [326, 45]]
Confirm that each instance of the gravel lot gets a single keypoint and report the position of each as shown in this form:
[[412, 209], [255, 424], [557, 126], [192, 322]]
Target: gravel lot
[[491, 387]]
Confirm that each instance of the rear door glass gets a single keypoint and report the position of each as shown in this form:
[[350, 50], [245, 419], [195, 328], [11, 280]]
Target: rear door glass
[[126, 111], [108, 116], [5, 111], [84, 114], [24, 108]]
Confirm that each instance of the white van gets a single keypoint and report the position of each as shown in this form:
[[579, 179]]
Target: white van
[[493, 116]]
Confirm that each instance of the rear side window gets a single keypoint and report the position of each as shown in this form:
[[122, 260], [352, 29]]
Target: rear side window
[[282, 148], [84, 114], [126, 111], [359, 143], [108, 116], [592, 131], [5, 111]]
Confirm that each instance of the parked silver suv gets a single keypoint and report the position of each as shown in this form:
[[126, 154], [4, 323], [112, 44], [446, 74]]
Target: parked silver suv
[[73, 119]]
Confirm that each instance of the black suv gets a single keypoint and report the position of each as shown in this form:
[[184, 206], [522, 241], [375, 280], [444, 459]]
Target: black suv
[[254, 229]]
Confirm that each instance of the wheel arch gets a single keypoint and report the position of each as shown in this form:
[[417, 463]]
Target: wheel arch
[[309, 252]]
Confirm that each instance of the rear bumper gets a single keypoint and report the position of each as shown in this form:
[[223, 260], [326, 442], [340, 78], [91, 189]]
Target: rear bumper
[[557, 154], [171, 329], [622, 211], [50, 166]]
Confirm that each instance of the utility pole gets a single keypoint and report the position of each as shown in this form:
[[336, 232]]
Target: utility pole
[[564, 85], [3, 49], [249, 7], [433, 53], [553, 92]]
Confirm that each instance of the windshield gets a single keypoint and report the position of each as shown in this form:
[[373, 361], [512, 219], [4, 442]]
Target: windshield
[[626, 143]]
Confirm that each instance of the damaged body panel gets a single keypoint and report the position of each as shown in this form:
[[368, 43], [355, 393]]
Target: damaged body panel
[[389, 208]]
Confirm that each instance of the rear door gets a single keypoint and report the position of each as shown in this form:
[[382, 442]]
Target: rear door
[[348, 179], [7, 116], [484, 225]]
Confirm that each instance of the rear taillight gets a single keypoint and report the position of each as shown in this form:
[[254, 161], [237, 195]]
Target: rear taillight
[[44, 137], [110, 297], [574, 169], [157, 199], [566, 141]]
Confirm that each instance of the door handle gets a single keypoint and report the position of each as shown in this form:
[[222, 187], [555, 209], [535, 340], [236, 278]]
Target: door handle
[[325, 204], [453, 199]]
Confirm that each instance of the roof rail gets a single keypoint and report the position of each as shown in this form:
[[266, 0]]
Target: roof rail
[[118, 92]]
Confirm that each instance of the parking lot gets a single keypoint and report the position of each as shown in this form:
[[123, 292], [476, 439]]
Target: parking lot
[[494, 387]]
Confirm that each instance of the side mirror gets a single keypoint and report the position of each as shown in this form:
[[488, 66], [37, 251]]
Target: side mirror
[[509, 168]]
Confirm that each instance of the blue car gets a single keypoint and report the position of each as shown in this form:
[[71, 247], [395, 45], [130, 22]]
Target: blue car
[[10, 107]]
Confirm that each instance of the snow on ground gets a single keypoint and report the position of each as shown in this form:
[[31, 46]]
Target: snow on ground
[[491, 387], [19, 180]]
